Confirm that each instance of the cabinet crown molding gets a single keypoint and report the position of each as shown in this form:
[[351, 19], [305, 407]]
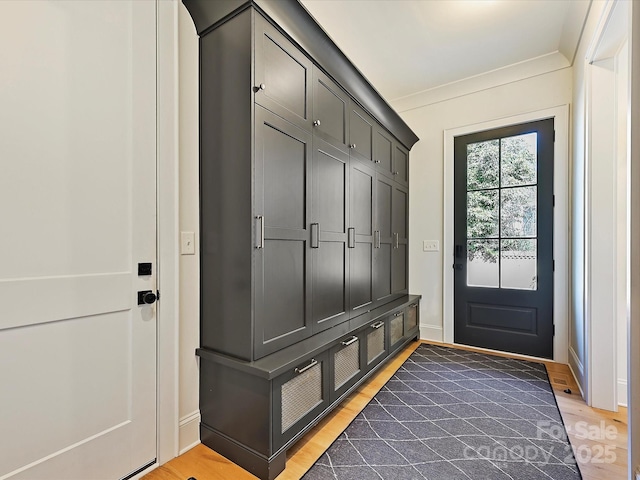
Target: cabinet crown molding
[[296, 22]]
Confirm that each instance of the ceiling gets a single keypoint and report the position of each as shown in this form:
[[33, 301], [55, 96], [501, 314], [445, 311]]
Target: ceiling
[[404, 47]]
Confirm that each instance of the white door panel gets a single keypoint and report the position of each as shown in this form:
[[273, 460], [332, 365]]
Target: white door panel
[[78, 212]]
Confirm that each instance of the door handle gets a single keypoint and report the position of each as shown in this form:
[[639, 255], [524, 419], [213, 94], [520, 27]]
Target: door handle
[[315, 227], [260, 226], [147, 297], [352, 340], [459, 251], [376, 239], [396, 240], [312, 364], [351, 237]]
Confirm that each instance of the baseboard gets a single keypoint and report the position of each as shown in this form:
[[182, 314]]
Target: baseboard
[[577, 369], [189, 431], [429, 332], [622, 392]]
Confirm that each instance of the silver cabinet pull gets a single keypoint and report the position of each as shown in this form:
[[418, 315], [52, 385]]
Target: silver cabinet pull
[[260, 226], [312, 364], [316, 123], [353, 146], [353, 339], [377, 324], [315, 227], [376, 239], [351, 237], [396, 240], [397, 314], [262, 86]]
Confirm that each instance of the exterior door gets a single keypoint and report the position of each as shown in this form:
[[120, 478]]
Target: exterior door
[[78, 209], [503, 231]]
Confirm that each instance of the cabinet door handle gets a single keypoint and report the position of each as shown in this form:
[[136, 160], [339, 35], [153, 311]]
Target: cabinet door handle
[[377, 324], [376, 239], [312, 364], [396, 240], [260, 227], [397, 314], [316, 123], [352, 340], [262, 86], [376, 161], [352, 146], [315, 227], [351, 237]]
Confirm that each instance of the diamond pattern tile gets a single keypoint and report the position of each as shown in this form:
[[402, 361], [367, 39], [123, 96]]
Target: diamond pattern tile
[[452, 414]]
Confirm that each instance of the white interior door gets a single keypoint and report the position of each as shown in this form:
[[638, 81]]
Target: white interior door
[[77, 215]]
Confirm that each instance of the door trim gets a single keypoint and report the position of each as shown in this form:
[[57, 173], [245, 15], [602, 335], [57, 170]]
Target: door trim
[[561, 189], [168, 225]]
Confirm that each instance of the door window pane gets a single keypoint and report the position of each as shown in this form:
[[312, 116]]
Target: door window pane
[[518, 212], [482, 214], [519, 160], [483, 160], [482, 263], [518, 264]]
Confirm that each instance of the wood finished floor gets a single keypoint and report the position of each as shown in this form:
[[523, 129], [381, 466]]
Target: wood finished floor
[[205, 464]]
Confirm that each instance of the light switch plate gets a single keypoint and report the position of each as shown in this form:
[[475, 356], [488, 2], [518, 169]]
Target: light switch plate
[[430, 245], [187, 243]]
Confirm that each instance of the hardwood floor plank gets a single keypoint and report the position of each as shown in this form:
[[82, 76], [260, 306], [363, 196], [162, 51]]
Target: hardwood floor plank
[[204, 464]]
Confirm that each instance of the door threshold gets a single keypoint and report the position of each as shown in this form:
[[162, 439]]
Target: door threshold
[[499, 353]]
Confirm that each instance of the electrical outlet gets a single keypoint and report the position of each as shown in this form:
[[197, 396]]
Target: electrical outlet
[[430, 245], [187, 243]]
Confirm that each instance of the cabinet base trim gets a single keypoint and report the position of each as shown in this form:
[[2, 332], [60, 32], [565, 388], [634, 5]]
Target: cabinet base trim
[[259, 465]]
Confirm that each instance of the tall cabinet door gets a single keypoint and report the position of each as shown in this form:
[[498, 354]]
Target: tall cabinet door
[[282, 253], [283, 75], [399, 259], [329, 235], [383, 238], [360, 233]]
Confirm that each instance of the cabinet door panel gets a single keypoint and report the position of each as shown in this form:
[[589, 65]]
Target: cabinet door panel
[[362, 185], [284, 179], [382, 271], [383, 152], [330, 110], [330, 288], [400, 200], [285, 74], [399, 267], [361, 275], [330, 180], [401, 165], [360, 133], [282, 257], [383, 247], [283, 309], [329, 285]]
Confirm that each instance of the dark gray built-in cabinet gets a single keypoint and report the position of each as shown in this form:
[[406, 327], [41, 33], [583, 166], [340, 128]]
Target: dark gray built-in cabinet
[[304, 239]]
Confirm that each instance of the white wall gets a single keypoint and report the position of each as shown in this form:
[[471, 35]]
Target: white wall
[[426, 207], [598, 213], [189, 222]]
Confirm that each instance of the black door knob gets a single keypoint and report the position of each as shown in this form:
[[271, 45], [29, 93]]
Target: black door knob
[[146, 297]]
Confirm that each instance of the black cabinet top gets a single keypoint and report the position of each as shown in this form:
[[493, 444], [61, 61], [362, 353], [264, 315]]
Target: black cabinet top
[[296, 22]]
